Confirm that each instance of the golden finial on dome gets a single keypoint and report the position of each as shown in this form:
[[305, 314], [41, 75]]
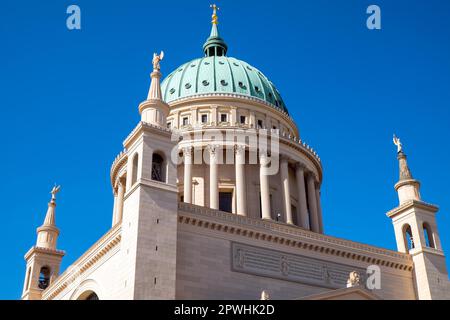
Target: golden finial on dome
[[215, 19]]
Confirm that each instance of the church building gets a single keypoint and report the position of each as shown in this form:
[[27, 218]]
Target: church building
[[216, 196]]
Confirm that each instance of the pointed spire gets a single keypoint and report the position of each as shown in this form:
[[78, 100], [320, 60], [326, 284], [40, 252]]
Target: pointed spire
[[155, 86], [50, 216], [407, 187], [155, 110], [405, 173], [215, 45], [48, 232]]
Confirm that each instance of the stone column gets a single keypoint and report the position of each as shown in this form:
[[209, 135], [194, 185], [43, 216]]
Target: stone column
[[284, 174], [118, 201], [187, 153], [312, 202], [114, 220], [303, 207], [120, 198], [213, 177], [319, 209], [265, 188], [241, 194]]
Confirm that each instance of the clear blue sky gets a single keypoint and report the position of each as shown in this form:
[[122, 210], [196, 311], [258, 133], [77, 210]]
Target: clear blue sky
[[69, 98]]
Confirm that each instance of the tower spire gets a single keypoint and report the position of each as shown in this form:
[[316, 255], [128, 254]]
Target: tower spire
[[416, 233], [215, 45], [155, 86], [48, 233], [215, 19], [407, 187], [43, 260], [154, 110]]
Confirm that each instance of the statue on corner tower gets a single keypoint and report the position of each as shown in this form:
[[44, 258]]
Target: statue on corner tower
[[156, 60], [398, 143]]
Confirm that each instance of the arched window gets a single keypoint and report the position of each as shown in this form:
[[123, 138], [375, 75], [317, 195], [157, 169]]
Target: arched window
[[408, 237], [158, 172], [88, 295], [134, 172], [44, 278], [92, 296], [428, 234]]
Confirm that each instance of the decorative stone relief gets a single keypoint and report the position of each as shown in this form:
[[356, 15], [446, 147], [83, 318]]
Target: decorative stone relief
[[290, 267]]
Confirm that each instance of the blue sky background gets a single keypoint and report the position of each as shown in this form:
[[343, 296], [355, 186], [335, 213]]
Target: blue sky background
[[69, 98]]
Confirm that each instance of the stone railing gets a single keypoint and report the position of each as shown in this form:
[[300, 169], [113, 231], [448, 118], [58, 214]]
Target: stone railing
[[116, 165]]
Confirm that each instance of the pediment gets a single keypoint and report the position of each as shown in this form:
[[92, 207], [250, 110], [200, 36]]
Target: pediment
[[354, 293]]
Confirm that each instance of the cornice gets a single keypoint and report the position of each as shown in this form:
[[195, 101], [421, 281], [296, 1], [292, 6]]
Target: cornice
[[105, 244], [42, 250], [291, 236], [402, 183], [148, 127], [293, 141], [410, 204]]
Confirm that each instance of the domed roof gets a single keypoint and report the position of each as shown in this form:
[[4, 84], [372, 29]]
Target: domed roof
[[220, 74], [217, 73]]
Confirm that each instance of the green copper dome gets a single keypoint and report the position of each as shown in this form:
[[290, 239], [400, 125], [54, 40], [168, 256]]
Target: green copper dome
[[218, 74]]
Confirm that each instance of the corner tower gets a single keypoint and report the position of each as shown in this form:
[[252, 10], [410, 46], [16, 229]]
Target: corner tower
[[150, 202], [416, 233], [43, 260]]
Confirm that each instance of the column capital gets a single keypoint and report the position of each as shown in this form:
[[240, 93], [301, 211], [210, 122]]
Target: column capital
[[263, 157], [300, 166], [239, 148], [310, 175], [284, 158], [187, 150], [213, 149]]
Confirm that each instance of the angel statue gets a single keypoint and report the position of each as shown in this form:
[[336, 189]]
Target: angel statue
[[54, 191], [398, 143], [156, 60]]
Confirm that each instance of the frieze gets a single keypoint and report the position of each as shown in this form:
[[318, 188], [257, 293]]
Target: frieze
[[290, 267]]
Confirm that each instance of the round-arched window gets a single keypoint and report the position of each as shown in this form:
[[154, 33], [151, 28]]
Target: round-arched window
[[428, 234], [408, 237], [44, 278], [158, 173]]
